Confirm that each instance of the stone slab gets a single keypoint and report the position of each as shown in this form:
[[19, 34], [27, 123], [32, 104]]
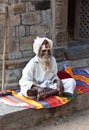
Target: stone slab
[[17, 118], [77, 52]]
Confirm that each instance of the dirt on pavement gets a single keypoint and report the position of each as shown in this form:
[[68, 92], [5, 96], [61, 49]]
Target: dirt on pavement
[[76, 121]]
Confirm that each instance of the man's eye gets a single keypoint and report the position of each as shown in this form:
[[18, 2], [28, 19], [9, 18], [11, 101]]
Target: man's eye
[[49, 51], [43, 51]]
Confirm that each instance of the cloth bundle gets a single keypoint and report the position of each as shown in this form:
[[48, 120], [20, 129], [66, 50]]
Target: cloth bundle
[[49, 84]]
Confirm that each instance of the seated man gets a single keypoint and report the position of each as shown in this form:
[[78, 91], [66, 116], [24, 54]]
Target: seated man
[[39, 77]]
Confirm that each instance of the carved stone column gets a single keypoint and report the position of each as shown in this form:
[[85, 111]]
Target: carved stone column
[[59, 11], [59, 8]]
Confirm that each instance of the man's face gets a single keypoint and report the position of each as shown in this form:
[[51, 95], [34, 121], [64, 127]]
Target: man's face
[[45, 56], [45, 51]]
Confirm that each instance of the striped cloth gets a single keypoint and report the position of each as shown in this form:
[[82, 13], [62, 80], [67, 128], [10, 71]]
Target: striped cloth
[[17, 100], [82, 80]]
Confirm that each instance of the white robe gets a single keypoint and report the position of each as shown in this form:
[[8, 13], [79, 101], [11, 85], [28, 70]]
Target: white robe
[[33, 73]]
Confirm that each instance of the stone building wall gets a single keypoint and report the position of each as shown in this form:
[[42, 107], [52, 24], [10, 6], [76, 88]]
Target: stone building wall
[[28, 19]]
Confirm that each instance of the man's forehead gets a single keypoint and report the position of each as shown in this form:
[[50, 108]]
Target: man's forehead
[[45, 46]]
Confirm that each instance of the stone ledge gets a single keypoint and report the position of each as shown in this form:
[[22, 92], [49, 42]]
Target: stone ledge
[[77, 52], [17, 118], [18, 63]]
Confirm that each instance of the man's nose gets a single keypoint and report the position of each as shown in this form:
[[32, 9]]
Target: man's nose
[[46, 52]]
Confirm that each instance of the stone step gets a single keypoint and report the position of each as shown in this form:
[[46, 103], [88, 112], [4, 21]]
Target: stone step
[[18, 118]]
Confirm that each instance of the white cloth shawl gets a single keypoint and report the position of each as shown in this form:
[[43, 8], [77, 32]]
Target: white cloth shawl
[[38, 42]]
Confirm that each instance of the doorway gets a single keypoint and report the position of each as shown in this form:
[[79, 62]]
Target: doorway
[[71, 19]]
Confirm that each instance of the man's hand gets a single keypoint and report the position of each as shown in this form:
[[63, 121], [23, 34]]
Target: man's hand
[[60, 87], [40, 92]]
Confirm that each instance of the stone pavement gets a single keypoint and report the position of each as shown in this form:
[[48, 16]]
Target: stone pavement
[[17, 118], [7, 109], [75, 121]]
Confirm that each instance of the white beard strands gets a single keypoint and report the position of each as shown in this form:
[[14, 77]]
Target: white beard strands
[[46, 63]]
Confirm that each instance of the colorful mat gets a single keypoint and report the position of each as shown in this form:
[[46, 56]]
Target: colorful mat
[[82, 80]]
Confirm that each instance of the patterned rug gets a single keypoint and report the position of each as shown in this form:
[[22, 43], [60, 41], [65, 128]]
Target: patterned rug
[[82, 80]]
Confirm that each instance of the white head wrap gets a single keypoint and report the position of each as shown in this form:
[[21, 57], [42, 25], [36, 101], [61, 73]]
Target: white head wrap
[[38, 42]]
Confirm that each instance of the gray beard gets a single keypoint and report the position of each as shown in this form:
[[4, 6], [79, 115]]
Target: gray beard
[[46, 63]]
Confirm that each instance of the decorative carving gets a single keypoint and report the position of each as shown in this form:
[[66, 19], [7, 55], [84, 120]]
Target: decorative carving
[[84, 19], [59, 1], [61, 36]]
